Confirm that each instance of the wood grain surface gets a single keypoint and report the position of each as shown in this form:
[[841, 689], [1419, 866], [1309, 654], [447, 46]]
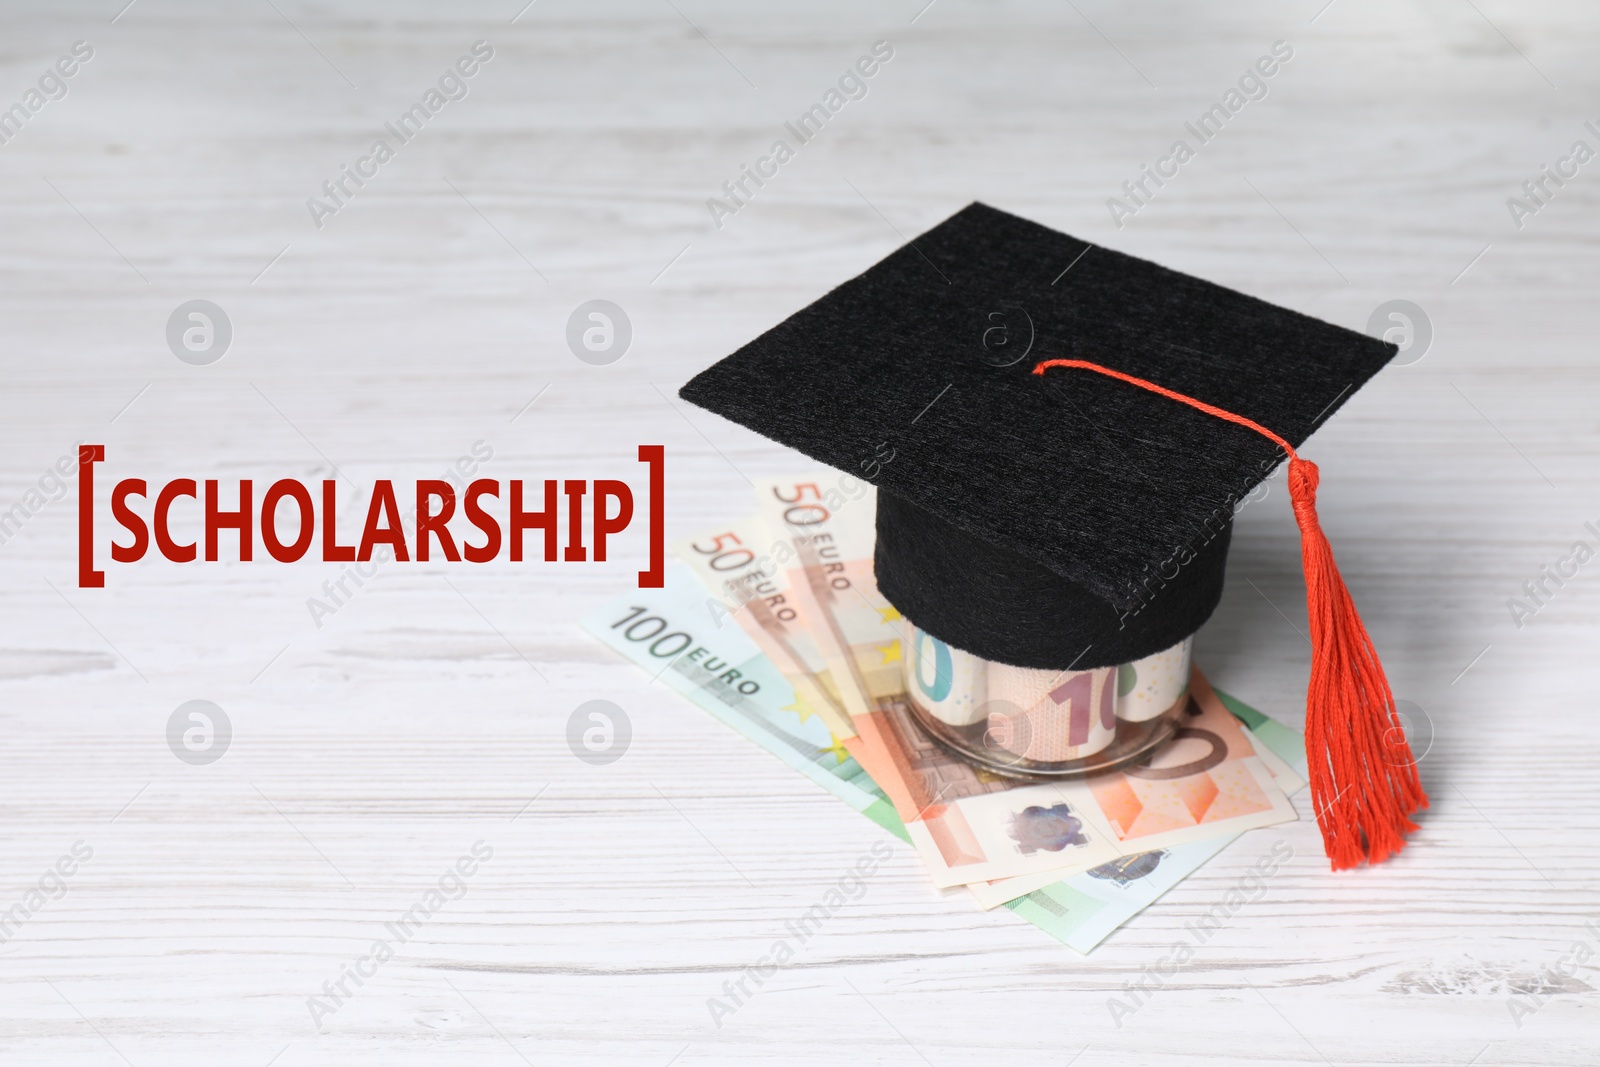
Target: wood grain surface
[[371, 752]]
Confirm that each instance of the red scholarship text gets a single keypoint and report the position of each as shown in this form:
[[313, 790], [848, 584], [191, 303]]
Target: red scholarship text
[[585, 513]]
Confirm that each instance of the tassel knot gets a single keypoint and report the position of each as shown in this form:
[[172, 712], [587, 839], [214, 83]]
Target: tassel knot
[[1304, 477]]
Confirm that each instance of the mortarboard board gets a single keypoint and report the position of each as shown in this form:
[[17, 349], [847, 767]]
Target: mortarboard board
[[1071, 429]]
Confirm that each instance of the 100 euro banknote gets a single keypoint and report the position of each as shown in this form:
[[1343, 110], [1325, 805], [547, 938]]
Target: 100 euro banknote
[[703, 655]]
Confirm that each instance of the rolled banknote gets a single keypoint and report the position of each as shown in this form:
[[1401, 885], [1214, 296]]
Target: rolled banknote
[[1150, 686], [947, 683], [1015, 718], [1002, 715], [1061, 715]]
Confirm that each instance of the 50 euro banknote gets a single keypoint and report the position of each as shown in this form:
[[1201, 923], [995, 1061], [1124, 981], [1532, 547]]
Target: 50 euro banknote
[[742, 566], [829, 518]]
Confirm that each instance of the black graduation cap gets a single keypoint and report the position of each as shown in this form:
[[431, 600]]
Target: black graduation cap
[[1071, 429], [1054, 522]]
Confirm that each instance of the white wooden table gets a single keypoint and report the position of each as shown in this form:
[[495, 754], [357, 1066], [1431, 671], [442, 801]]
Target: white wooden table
[[370, 753]]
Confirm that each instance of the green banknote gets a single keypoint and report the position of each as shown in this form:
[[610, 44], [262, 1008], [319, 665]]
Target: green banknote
[[683, 635]]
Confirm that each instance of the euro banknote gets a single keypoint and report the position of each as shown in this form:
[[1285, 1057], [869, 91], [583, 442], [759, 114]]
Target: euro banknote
[[830, 519], [742, 566], [972, 826], [706, 657], [991, 895], [1084, 910]]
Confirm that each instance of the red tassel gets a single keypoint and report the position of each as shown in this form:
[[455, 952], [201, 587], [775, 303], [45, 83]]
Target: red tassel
[[1364, 782], [1363, 778]]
